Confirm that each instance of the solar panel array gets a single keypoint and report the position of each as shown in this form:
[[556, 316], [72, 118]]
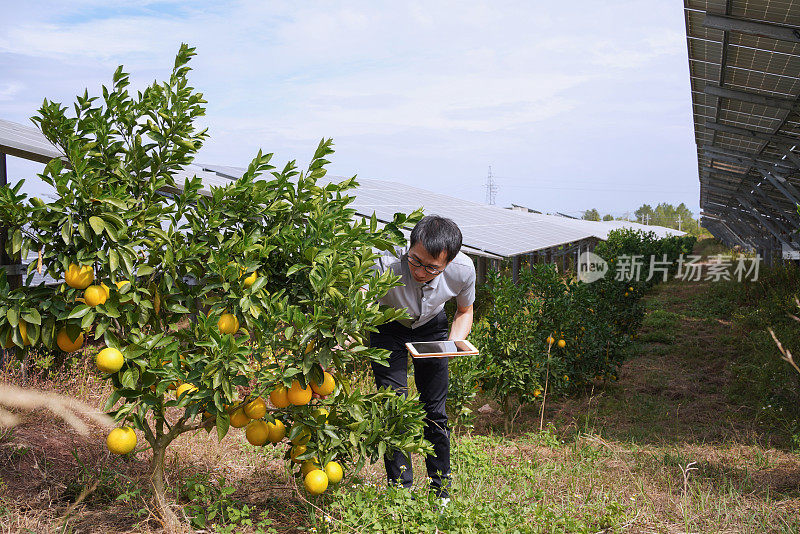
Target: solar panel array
[[26, 142], [744, 66], [490, 229]]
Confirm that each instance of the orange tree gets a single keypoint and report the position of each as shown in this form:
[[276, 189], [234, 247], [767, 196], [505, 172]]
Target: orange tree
[[259, 287]]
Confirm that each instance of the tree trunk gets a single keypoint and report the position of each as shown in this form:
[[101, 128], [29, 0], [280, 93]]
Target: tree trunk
[[172, 524], [506, 416]]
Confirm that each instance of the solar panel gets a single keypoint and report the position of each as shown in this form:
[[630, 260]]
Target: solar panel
[[744, 50]]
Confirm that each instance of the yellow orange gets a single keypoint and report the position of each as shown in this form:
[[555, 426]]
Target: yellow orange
[[185, 388], [277, 431], [309, 465], [23, 332], [316, 482], [95, 295], [256, 408], [334, 471], [279, 397], [298, 395], [228, 323], [327, 386], [239, 418], [297, 450], [561, 343], [109, 360], [257, 432], [68, 344], [250, 280], [79, 277], [121, 440]]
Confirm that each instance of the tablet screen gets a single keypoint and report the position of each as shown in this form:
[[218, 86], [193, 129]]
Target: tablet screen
[[438, 347]]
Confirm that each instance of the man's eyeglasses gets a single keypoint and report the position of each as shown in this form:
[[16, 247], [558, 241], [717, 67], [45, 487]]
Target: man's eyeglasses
[[428, 269]]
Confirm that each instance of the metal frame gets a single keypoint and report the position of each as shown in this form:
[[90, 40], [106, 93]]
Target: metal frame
[[746, 113]]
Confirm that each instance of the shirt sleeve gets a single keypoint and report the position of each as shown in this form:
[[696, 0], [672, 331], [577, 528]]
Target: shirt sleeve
[[467, 294]]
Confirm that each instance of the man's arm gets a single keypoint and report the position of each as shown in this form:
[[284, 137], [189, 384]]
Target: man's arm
[[462, 323]]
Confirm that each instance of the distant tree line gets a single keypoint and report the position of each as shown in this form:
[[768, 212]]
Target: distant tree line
[[679, 217]]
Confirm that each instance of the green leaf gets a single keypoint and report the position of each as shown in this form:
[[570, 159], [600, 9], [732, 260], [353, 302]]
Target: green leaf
[[114, 202], [113, 260], [98, 225], [223, 423], [16, 241], [79, 311], [112, 400], [294, 268], [32, 317]]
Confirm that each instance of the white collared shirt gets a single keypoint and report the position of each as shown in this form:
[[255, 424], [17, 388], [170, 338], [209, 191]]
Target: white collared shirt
[[425, 301]]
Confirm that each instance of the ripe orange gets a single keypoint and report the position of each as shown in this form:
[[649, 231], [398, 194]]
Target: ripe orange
[[327, 386], [316, 482], [257, 432], [109, 360], [256, 408], [309, 465], [95, 295], [277, 431], [250, 280], [185, 388], [279, 397], [228, 323], [23, 331], [239, 418], [550, 340], [79, 277], [297, 450], [561, 343], [334, 471], [66, 343], [121, 440], [298, 395]]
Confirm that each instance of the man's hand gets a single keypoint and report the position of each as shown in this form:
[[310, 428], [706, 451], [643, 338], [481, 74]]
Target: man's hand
[[462, 323]]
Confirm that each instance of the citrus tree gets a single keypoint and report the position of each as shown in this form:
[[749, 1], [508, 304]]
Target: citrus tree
[[206, 302]]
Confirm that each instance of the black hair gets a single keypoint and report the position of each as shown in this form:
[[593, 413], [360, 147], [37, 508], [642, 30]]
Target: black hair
[[437, 234]]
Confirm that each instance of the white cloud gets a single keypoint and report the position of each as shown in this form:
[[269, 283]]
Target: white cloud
[[9, 90], [434, 82]]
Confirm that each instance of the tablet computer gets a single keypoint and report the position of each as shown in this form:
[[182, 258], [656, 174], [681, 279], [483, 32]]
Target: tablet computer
[[441, 349]]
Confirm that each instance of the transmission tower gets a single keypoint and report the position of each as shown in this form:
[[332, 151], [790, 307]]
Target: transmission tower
[[491, 188]]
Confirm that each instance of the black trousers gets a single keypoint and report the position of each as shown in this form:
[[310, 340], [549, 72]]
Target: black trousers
[[431, 379]]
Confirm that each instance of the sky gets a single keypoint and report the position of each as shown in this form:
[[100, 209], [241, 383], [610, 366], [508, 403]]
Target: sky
[[574, 105]]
